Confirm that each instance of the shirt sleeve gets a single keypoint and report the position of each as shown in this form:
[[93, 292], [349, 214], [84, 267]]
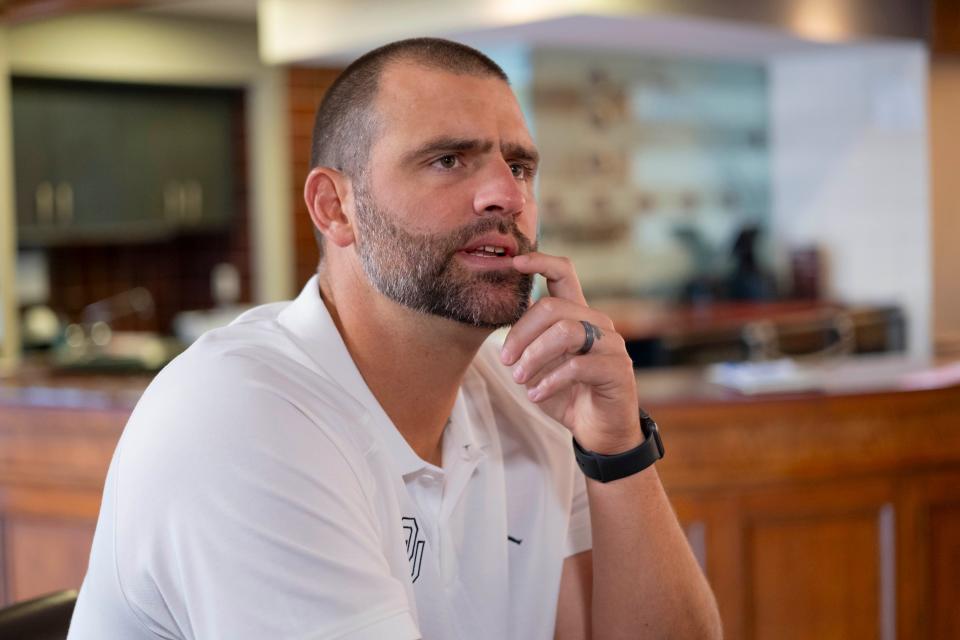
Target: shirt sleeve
[[579, 536], [238, 517]]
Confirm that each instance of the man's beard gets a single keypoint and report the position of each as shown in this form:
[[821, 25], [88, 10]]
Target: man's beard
[[422, 273]]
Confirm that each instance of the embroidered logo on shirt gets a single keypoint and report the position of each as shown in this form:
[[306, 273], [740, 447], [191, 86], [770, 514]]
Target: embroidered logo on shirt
[[514, 540], [411, 531]]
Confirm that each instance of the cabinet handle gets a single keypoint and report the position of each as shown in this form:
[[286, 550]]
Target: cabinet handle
[[64, 199], [171, 201], [181, 202], [194, 201], [44, 201]]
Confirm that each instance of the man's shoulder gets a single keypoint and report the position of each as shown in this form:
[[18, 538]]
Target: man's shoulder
[[256, 353], [247, 384]]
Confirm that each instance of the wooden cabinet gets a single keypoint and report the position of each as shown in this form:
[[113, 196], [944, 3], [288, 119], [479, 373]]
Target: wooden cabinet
[[944, 34], [802, 562], [823, 517], [100, 162], [52, 466]]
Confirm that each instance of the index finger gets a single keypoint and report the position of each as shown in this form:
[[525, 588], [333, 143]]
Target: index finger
[[562, 281]]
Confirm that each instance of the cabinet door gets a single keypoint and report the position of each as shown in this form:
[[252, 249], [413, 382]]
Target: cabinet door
[[206, 149], [66, 161], [151, 145], [89, 189], [181, 149], [929, 581], [34, 164], [821, 562], [809, 561]]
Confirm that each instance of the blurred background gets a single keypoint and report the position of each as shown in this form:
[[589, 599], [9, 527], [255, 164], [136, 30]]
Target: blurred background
[[761, 195]]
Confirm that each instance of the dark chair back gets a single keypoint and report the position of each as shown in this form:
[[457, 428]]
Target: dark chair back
[[43, 618]]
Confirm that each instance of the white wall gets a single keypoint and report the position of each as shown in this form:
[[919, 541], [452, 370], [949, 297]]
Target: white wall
[[133, 47], [850, 174], [9, 340]]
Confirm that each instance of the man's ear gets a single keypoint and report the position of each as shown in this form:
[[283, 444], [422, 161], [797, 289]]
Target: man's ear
[[325, 192]]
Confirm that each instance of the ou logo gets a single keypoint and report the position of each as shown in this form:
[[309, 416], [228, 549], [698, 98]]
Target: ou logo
[[411, 535]]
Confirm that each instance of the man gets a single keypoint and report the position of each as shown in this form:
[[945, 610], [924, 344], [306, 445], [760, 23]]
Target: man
[[360, 463]]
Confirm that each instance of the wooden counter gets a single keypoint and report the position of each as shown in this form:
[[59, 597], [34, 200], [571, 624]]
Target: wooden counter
[[57, 435], [830, 514], [833, 514]]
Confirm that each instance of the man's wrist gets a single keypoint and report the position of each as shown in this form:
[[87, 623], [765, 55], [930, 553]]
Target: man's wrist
[[608, 467], [613, 446]]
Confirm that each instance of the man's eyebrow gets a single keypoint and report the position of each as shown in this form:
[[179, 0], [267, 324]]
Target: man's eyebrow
[[446, 144], [515, 151], [449, 145]]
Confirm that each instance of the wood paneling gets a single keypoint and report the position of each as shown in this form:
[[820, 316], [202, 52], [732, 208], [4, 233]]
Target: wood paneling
[[823, 516], [814, 563], [798, 594], [806, 436], [945, 30], [929, 548], [59, 448], [53, 463], [306, 89], [945, 574], [45, 554]]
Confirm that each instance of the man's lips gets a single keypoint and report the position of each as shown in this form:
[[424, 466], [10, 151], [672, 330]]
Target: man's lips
[[492, 245]]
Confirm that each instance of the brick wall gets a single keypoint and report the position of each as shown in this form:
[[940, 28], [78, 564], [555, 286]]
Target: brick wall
[[306, 87]]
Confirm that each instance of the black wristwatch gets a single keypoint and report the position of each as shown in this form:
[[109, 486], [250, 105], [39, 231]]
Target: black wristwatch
[[607, 468]]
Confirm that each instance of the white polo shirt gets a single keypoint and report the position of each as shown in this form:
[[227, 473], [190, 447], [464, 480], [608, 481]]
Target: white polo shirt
[[260, 491]]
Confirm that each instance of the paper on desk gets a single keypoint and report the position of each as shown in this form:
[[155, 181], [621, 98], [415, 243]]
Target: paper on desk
[[774, 376]]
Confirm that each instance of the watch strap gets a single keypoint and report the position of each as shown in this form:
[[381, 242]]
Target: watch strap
[[606, 468]]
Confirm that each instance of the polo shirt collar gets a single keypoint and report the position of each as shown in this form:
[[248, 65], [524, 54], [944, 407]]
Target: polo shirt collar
[[311, 325], [309, 322]]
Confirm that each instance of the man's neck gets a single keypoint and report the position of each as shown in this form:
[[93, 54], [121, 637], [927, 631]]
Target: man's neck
[[412, 362]]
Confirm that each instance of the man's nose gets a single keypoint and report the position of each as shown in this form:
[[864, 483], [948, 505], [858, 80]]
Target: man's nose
[[499, 193]]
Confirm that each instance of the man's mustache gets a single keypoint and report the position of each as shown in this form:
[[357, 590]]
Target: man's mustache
[[464, 235]]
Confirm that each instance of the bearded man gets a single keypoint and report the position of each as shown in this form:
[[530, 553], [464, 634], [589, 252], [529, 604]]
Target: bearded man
[[361, 462]]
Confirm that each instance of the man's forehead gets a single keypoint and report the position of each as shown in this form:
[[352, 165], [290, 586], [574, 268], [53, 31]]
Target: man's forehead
[[421, 101]]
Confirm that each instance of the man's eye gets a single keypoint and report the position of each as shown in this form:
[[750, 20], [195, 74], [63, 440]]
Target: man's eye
[[520, 170], [447, 162]]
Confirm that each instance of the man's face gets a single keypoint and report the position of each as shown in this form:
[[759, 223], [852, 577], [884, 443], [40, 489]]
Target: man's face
[[450, 176]]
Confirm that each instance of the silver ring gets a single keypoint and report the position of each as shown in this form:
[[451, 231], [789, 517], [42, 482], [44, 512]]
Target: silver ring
[[591, 332]]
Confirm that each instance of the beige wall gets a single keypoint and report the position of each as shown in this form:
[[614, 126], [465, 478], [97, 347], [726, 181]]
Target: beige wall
[[134, 47], [945, 168], [9, 340]]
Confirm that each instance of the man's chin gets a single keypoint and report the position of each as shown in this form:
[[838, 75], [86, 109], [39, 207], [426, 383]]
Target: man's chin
[[489, 312]]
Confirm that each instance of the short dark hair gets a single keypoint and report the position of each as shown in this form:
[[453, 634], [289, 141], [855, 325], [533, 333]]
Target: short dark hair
[[343, 128], [345, 123]]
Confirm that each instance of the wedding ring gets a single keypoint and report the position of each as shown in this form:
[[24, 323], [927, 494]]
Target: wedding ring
[[591, 332]]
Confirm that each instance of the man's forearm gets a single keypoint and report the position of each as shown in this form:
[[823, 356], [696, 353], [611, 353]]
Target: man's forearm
[[646, 581]]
